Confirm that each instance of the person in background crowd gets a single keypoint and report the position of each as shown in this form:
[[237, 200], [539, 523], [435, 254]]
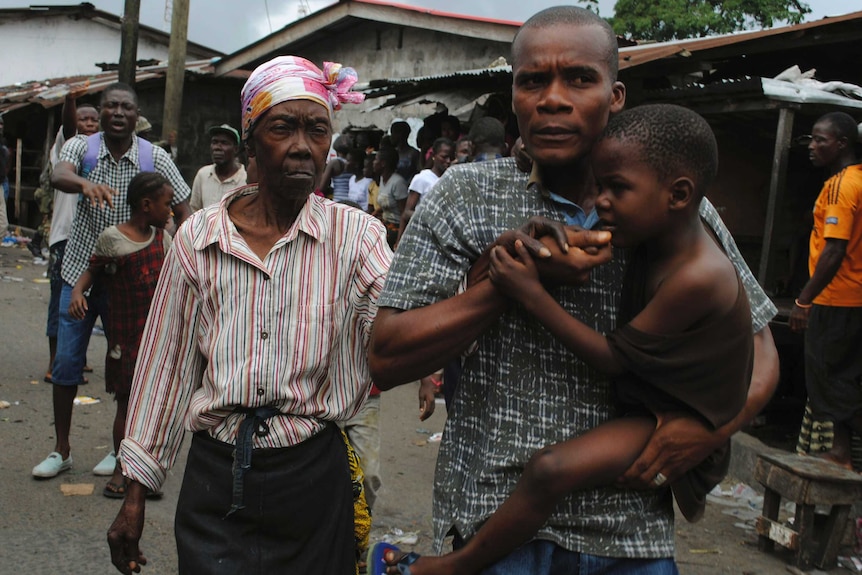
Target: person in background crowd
[[83, 120], [392, 195], [127, 259], [99, 168], [444, 151], [829, 307], [409, 158], [226, 172], [489, 139]]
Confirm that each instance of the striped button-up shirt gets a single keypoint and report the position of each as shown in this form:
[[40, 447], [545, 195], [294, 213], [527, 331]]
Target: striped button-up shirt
[[91, 221], [227, 329], [522, 389]]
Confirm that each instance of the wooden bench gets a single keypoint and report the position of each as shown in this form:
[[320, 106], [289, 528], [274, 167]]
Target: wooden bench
[[807, 481]]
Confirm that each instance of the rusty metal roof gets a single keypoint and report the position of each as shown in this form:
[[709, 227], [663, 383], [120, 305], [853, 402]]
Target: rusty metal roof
[[632, 56], [52, 92]]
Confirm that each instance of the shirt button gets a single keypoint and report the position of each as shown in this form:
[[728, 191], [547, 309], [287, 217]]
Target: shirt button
[[264, 335], [260, 391]]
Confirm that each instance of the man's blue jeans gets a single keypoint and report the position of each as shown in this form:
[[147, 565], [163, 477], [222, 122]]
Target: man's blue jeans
[[546, 558], [73, 336]]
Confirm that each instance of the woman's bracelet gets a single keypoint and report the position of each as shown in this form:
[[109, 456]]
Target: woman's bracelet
[[801, 305]]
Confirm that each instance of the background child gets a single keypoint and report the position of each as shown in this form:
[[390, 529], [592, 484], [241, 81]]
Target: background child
[[128, 258], [687, 345]]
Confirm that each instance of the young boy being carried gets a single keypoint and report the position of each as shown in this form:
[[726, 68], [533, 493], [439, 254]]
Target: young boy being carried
[[687, 345], [128, 258]]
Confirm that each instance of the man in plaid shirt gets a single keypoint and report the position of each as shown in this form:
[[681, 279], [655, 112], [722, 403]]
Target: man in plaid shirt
[[522, 390], [102, 203]]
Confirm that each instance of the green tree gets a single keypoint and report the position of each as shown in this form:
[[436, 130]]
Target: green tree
[[663, 20]]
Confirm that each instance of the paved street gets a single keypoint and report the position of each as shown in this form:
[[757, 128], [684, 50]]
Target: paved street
[[42, 531]]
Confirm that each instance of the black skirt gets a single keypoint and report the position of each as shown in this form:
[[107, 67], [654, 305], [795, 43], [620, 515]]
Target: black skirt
[[298, 515]]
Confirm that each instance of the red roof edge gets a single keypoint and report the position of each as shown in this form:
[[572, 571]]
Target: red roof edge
[[435, 12]]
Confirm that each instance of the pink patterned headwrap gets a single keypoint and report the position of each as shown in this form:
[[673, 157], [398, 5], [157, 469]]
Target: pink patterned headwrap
[[293, 78]]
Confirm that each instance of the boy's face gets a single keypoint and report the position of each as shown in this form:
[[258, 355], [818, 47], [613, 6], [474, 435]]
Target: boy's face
[[88, 121], [563, 92], [160, 207], [633, 203]]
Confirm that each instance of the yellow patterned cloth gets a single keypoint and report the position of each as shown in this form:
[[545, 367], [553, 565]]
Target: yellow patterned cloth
[[361, 512]]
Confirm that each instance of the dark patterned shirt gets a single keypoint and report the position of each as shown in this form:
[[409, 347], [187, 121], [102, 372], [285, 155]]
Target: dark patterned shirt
[[89, 222], [522, 390]]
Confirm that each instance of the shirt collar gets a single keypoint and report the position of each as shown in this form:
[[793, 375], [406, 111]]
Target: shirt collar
[[131, 154], [572, 212], [312, 221], [234, 178]]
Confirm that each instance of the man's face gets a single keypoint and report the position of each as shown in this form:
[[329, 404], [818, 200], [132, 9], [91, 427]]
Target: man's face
[[290, 144], [825, 147], [88, 121], [119, 114], [562, 92], [223, 149]]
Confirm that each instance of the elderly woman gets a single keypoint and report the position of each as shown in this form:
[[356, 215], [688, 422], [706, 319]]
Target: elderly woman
[[264, 308]]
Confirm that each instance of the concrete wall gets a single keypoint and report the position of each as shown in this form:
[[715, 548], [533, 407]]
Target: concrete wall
[[379, 51], [60, 46]]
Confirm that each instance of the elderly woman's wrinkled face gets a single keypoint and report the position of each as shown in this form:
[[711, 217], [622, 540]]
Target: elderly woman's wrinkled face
[[290, 143]]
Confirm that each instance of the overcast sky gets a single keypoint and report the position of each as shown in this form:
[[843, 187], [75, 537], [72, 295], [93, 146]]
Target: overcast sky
[[228, 25]]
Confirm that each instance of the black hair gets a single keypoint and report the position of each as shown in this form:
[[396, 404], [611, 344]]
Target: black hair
[[119, 87], [400, 125], [440, 142], [454, 122], [488, 131], [389, 157], [573, 16], [843, 125], [672, 140], [357, 155], [144, 185]]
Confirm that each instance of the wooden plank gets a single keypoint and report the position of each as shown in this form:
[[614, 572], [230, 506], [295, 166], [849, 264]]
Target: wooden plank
[[812, 467], [827, 554], [18, 149], [778, 533], [776, 186], [804, 524], [771, 504]]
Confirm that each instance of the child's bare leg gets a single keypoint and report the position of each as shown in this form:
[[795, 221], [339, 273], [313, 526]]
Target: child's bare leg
[[119, 432], [595, 458]]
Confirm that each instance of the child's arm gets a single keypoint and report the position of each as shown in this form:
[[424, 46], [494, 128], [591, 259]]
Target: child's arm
[[519, 279], [683, 299], [78, 306]]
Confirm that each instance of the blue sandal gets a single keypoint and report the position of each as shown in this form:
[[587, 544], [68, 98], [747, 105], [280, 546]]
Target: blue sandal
[[376, 559]]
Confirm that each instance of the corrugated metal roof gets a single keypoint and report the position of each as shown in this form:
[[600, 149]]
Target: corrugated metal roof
[[49, 93], [637, 55]]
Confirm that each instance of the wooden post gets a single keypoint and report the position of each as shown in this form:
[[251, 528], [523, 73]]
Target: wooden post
[[18, 148], [129, 42], [176, 68], [776, 185]]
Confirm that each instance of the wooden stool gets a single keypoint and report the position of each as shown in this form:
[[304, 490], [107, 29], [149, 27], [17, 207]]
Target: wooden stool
[[807, 481]]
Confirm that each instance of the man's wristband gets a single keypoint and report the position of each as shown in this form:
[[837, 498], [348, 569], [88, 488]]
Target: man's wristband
[[801, 305]]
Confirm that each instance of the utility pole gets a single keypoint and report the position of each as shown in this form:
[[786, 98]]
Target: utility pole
[[129, 42], [176, 68]]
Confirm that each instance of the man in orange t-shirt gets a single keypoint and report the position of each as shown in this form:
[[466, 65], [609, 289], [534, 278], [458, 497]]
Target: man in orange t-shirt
[[829, 307]]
